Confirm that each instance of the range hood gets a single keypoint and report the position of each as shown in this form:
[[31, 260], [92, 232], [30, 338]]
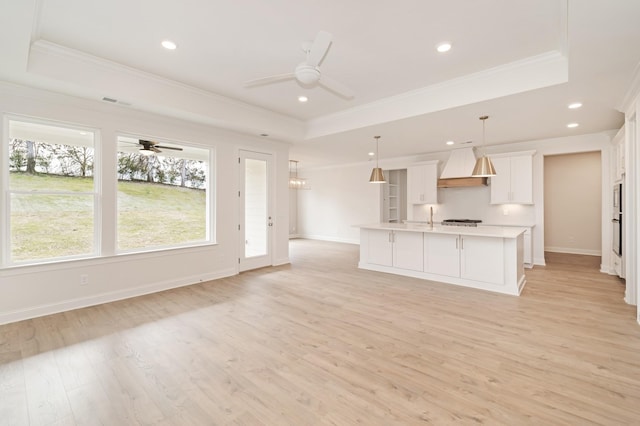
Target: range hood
[[457, 171]]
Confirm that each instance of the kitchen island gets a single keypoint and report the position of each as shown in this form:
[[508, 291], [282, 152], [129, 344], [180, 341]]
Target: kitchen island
[[484, 257]]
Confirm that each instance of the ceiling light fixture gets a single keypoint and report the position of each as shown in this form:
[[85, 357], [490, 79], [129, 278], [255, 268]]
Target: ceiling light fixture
[[371, 154], [169, 45], [572, 125], [450, 142], [575, 105], [376, 174], [303, 98], [296, 182], [443, 47], [484, 166]]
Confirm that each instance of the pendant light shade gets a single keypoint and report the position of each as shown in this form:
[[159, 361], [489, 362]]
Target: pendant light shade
[[376, 174], [484, 166]]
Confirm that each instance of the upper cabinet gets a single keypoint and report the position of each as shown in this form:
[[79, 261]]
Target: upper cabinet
[[513, 182], [422, 183]]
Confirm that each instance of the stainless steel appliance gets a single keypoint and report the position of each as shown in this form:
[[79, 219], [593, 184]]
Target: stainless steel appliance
[[461, 222], [617, 219]]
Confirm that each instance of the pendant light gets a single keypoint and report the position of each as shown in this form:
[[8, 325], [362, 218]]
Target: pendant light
[[376, 174], [296, 182], [484, 167]]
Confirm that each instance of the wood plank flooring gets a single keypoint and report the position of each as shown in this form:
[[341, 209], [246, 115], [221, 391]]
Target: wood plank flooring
[[319, 342]]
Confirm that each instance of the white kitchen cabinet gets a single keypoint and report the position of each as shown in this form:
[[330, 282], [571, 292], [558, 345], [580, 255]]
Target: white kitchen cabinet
[[442, 254], [407, 250], [395, 248], [380, 248], [513, 182], [422, 183], [464, 256], [482, 259]]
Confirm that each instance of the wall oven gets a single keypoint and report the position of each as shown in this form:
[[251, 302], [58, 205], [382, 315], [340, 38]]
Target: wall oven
[[617, 219]]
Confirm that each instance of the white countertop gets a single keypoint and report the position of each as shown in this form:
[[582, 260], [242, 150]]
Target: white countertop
[[480, 231]]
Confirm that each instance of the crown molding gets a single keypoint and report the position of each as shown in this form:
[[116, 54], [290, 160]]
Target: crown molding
[[535, 72], [632, 92]]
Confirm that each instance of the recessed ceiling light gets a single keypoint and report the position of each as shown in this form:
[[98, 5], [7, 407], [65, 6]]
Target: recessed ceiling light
[[443, 47], [83, 133], [572, 125], [169, 45], [450, 142], [575, 105], [264, 135], [371, 154], [303, 98]]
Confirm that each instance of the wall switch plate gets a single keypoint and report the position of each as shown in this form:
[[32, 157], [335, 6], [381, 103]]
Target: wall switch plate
[[84, 279]]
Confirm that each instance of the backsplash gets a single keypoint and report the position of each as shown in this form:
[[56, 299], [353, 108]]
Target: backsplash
[[473, 203]]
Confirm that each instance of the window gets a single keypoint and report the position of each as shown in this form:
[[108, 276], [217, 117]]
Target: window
[[51, 193], [162, 194]]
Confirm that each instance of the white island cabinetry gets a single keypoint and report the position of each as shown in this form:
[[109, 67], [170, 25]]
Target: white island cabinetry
[[488, 258], [465, 256], [395, 248]]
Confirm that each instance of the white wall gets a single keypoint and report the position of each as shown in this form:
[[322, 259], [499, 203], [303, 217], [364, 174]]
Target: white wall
[[30, 291], [342, 197], [339, 198], [573, 214]]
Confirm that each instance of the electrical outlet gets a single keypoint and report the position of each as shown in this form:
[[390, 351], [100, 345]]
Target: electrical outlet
[[84, 279]]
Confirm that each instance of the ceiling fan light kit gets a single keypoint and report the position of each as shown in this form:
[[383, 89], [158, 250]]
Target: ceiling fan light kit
[[152, 148], [484, 166], [308, 73]]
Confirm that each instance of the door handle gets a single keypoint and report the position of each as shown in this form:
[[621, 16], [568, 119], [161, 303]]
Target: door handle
[[615, 220]]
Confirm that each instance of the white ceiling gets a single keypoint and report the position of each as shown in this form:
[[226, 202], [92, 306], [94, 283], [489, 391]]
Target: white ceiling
[[521, 62]]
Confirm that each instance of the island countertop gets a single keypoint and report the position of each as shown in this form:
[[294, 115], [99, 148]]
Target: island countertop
[[480, 230]]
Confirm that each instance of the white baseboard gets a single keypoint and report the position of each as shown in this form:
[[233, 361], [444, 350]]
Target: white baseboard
[[571, 250], [294, 236], [68, 305], [282, 261], [332, 239], [539, 261]]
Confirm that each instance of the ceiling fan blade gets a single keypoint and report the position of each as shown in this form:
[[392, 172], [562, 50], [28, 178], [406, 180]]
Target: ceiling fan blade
[[168, 147], [336, 87], [269, 80], [319, 48]]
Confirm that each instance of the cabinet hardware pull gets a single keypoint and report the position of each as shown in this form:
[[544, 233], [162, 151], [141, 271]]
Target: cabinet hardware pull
[[461, 243], [456, 243]]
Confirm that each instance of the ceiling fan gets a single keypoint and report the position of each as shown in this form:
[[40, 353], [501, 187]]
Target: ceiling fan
[[150, 147], [308, 72]]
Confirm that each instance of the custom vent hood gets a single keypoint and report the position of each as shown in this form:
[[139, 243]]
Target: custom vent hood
[[457, 171]]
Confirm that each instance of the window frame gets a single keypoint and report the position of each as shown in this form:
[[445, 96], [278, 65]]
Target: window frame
[[5, 211], [210, 219]]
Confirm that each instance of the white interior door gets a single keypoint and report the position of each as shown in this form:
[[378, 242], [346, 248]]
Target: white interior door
[[256, 220]]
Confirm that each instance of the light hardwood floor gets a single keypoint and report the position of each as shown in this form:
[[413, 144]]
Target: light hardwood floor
[[321, 342]]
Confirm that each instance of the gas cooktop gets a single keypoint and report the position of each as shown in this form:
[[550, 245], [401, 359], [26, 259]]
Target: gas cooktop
[[461, 222]]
